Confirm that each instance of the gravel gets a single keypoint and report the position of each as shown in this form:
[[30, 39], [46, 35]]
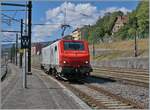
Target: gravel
[[135, 93]]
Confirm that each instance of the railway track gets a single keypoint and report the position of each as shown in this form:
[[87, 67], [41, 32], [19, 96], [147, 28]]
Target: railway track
[[129, 76], [122, 69], [139, 78], [98, 97]]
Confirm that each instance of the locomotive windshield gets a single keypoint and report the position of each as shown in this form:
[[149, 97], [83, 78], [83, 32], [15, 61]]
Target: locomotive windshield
[[73, 46]]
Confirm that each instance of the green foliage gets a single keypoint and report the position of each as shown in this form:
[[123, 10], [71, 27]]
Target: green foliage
[[104, 25], [122, 33], [138, 21], [143, 18]]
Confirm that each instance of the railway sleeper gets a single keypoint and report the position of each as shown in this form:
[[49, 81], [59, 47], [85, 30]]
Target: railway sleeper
[[111, 104], [101, 98], [120, 107], [108, 102]]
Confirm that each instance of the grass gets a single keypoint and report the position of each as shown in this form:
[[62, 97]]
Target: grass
[[120, 49], [125, 45], [106, 56]]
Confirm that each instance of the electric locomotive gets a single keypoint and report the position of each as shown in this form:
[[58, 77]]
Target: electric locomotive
[[67, 58]]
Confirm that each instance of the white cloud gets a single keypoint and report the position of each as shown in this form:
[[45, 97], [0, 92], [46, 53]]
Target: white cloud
[[40, 31], [38, 39], [114, 9], [124, 10], [73, 13], [8, 36], [77, 15], [52, 13]]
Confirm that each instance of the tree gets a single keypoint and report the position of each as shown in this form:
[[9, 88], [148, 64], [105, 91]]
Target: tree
[[103, 25], [142, 14], [138, 19]]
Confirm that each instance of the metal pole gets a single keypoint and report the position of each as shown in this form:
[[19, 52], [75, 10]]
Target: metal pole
[[25, 77], [135, 45], [16, 48], [24, 71], [29, 35], [63, 31], [10, 31], [13, 4], [14, 52], [93, 50], [21, 54], [11, 54]]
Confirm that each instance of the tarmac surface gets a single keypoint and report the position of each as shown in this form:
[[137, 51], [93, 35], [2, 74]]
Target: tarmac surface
[[42, 92]]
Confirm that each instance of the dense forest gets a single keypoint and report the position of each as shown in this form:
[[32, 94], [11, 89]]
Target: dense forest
[[137, 24]]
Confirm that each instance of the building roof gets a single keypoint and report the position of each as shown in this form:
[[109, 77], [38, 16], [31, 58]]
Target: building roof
[[122, 19], [78, 29]]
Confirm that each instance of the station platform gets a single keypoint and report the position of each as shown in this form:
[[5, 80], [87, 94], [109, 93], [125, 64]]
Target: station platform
[[42, 92]]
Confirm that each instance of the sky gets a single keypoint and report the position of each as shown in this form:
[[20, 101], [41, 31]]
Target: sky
[[52, 14]]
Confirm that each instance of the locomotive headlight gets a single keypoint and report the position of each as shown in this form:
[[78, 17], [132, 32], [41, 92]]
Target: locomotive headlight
[[86, 62], [64, 62]]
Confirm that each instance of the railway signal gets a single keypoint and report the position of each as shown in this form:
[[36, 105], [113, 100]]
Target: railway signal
[[24, 42]]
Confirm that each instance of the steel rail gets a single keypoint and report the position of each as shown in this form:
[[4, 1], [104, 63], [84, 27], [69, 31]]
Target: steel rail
[[121, 70]]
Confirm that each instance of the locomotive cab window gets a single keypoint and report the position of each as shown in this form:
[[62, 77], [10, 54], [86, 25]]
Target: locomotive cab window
[[73, 46]]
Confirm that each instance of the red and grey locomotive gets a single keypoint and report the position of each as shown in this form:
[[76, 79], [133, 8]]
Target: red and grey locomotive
[[67, 58]]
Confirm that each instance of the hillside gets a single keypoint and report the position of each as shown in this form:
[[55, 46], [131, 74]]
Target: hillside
[[101, 29], [137, 24]]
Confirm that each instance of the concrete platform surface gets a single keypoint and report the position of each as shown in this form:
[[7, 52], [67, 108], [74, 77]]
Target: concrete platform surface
[[43, 92]]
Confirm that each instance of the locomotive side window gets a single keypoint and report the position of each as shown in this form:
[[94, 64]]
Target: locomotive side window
[[73, 46], [55, 48]]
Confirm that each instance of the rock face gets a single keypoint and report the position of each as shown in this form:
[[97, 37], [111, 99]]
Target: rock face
[[133, 63]]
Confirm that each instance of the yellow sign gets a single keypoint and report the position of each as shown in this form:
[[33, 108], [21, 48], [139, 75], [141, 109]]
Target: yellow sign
[[21, 50]]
